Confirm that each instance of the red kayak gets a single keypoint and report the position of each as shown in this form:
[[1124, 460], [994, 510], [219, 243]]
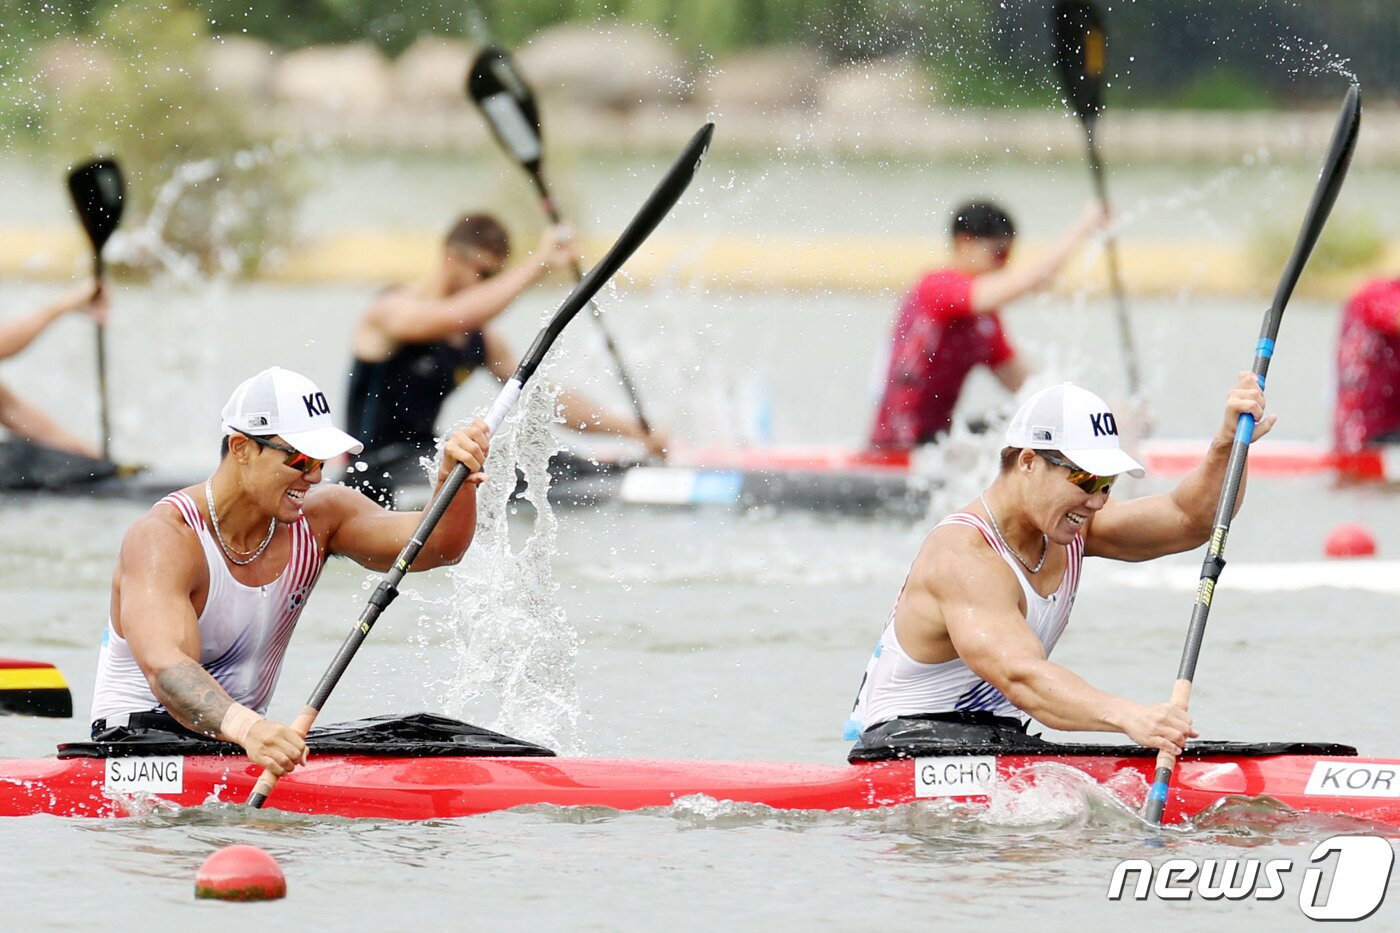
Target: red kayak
[[432, 788]]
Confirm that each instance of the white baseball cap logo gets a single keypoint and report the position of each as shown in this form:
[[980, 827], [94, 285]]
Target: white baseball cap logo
[[1078, 424], [1103, 424], [279, 401]]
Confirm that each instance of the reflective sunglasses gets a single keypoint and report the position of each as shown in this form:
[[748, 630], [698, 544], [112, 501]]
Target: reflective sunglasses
[[1085, 480], [295, 459]]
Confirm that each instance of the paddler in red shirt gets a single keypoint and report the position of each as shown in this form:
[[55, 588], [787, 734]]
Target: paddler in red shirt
[[1368, 368], [949, 322]]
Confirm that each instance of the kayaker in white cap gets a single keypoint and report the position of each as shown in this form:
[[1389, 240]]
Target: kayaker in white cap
[[991, 589], [210, 583]]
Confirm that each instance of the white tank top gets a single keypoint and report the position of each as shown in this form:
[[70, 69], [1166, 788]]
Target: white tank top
[[896, 685], [243, 630]]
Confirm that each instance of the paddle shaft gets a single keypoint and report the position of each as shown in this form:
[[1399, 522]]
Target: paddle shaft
[[551, 211], [104, 417], [1115, 275], [651, 213], [384, 594], [1329, 183]]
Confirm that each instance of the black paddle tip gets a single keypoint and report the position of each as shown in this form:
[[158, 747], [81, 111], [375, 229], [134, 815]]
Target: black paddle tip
[[99, 194], [102, 175], [696, 150], [1352, 101], [1348, 125], [1079, 42]]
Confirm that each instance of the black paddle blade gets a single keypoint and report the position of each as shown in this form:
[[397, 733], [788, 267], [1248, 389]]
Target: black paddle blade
[[1081, 55], [651, 213], [1329, 185], [508, 105], [98, 195]]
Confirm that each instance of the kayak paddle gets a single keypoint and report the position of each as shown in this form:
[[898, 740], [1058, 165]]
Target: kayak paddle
[[98, 196], [1329, 183], [1081, 55], [508, 105], [33, 688], [652, 212]]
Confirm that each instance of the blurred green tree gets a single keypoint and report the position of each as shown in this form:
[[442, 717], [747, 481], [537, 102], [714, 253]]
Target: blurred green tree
[[204, 189]]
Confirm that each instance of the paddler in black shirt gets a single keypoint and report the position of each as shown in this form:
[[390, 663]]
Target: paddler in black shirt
[[418, 342]]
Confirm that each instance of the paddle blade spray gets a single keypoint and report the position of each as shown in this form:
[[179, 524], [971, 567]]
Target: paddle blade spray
[[651, 213]]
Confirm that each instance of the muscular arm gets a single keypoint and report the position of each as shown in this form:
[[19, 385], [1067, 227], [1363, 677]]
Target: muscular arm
[[158, 570], [980, 603], [160, 567], [402, 317], [977, 599], [373, 537], [1176, 521], [192, 696]]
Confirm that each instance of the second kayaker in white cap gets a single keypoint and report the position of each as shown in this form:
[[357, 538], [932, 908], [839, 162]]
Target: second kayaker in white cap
[[211, 582], [991, 589]]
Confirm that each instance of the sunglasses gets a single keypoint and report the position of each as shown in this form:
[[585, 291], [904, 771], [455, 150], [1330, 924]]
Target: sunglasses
[[1089, 482], [295, 459]]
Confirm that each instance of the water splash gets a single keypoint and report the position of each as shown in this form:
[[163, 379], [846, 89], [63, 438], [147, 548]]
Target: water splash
[[151, 245], [512, 642], [964, 462], [191, 292], [1303, 56]]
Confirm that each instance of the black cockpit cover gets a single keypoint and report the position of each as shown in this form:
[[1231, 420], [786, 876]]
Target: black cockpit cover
[[419, 735], [983, 734]]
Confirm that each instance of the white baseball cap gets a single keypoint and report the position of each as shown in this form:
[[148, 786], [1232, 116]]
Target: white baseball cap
[[1078, 424], [279, 401]]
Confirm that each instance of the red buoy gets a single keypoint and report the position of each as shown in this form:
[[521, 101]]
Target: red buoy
[[240, 873], [1350, 540]]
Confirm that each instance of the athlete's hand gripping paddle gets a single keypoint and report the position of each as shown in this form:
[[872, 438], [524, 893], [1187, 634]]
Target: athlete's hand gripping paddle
[[667, 193]]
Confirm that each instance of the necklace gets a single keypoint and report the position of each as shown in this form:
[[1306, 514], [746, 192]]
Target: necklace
[[1044, 540], [229, 550]]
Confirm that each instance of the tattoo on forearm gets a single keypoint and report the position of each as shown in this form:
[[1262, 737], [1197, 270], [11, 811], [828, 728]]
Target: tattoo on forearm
[[193, 697]]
